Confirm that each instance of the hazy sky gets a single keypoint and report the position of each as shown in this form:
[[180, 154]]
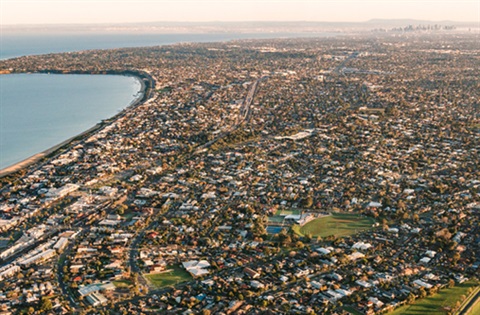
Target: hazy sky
[[121, 11]]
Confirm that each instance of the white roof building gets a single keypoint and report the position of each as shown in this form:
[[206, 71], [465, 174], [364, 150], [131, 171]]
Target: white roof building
[[196, 268], [256, 284], [422, 284], [364, 284], [324, 251], [60, 245], [361, 245], [425, 260], [355, 256], [96, 299], [49, 253], [374, 204]]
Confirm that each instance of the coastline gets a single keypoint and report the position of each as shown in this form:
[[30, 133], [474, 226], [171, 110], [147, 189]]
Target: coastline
[[147, 83]]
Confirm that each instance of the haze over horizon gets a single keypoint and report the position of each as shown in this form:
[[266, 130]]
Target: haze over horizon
[[52, 12]]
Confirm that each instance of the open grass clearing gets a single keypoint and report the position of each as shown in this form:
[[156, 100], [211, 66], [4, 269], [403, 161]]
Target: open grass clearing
[[338, 224], [172, 276], [276, 219], [475, 309], [285, 212], [436, 304], [464, 308], [122, 283]]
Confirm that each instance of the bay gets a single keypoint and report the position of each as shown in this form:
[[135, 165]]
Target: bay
[[38, 111]]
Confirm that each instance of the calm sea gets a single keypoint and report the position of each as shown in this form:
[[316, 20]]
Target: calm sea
[[40, 111], [21, 45]]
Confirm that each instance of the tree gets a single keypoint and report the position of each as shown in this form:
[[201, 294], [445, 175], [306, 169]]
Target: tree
[[444, 234], [457, 305], [308, 202], [410, 299], [46, 304], [456, 257], [422, 293]]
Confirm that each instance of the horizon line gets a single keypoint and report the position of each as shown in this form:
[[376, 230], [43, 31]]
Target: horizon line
[[238, 21]]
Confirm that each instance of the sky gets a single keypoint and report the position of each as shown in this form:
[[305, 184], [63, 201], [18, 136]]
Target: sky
[[18, 12]]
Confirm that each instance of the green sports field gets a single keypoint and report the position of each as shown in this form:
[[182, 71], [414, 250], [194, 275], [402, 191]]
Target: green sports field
[[434, 305], [172, 276], [338, 224], [475, 309]]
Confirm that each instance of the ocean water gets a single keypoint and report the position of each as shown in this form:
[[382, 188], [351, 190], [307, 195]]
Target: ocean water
[[15, 45], [38, 111]]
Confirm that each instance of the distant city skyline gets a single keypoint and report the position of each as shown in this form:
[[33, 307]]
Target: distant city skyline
[[22, 12]]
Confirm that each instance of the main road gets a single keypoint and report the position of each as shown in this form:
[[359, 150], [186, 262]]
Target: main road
[[60, 274], [243, 116]]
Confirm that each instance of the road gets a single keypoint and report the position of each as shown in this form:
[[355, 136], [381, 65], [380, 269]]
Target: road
[[243, 116], [338, 69], [133, 250], [62, 261]]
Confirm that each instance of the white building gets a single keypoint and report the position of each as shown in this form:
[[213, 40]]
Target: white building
[[45, 255]]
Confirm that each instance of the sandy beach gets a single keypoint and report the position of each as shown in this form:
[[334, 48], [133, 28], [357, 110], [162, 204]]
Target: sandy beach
[[21, 165]]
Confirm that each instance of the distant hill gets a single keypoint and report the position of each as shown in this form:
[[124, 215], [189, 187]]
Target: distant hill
[[405, 22]]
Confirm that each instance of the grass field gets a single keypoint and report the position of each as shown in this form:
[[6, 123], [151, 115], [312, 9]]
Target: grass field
[[338, 224], [172, 276], [285, 212], [475, 309], [122, 283], [276, 219], [466, 303], [433, 305]]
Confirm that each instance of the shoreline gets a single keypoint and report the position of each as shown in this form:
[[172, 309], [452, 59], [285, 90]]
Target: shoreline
[[147, 83]]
